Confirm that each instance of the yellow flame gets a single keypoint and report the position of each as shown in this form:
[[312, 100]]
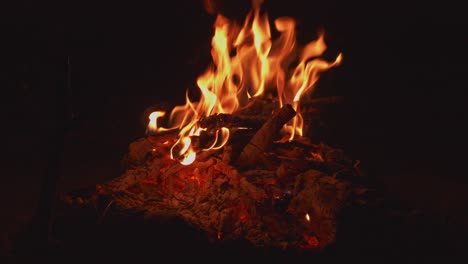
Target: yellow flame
[[189, 158], [260, 66], [307, 217], [186, 154], [224, 138], [153, 127]]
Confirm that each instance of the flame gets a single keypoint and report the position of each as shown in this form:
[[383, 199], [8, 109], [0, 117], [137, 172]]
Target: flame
[[307, 217], [153, 123], [186, 155], [260, 66]]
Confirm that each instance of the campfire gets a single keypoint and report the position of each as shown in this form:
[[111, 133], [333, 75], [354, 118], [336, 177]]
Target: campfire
[[238, 162]]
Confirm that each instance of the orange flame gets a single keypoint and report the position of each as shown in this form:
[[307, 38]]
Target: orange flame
[[259, 67]]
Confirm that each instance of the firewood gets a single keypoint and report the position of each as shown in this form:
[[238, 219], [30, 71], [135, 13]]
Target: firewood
[[302, 142], [218, 121], [237, 141], [258, 106], [263, 139], [254, 114]]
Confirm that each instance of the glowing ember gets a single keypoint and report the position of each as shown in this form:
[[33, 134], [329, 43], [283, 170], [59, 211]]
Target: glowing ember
[[260, 67]]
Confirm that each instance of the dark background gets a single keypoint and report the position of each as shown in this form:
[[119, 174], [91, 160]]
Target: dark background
[[403, 78]]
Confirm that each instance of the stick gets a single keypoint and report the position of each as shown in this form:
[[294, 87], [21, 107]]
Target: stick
[[263, 139]]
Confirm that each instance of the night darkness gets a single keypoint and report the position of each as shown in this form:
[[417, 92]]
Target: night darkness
[[403, 78]]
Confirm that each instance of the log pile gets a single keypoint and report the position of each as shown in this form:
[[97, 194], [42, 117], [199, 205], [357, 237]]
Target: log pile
[[271, 192]]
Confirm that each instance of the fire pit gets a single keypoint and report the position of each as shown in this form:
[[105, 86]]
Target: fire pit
[[239, 163]]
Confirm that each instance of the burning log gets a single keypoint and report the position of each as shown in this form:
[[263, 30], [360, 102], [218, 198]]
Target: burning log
[[253, 115], [263, 139], [217, 121], [260, 105], [257, 112]]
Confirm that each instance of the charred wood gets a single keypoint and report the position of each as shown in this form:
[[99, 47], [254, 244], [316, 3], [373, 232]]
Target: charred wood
[[263, 139]]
